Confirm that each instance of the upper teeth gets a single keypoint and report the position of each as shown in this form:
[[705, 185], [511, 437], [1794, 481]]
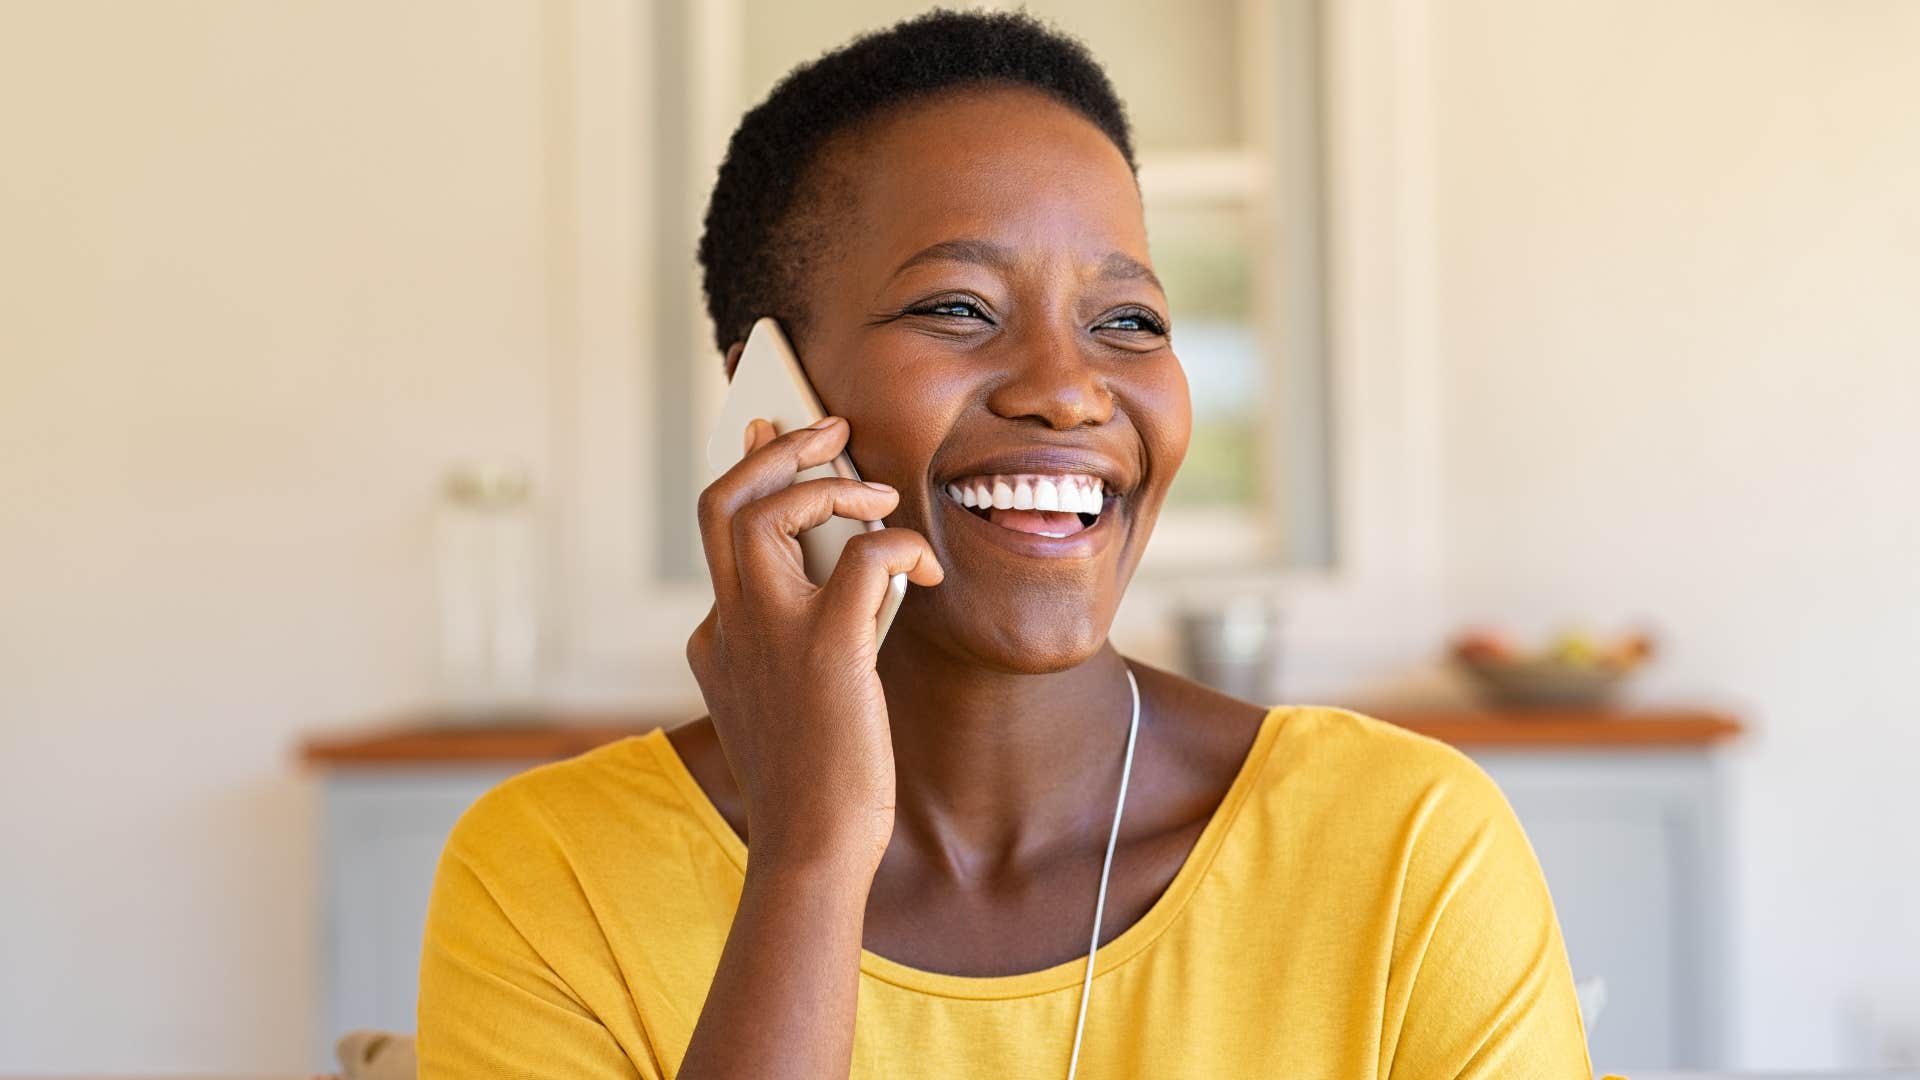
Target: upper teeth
[[1073, 493]]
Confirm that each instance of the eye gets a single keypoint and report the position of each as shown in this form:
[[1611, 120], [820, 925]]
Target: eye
[[952, 308], [1134, 321]]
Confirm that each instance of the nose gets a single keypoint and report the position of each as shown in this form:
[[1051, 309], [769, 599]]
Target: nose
[[1052, 380]]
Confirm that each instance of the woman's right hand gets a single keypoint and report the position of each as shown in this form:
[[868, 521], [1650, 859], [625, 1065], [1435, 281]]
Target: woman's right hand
[[788, 668]]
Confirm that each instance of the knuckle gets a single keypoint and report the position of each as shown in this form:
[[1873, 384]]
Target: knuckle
[[870, 551], [809, 501], [868, 547], [712, 504], [755, 519], [700, 647], [787, 445], [885, 543]]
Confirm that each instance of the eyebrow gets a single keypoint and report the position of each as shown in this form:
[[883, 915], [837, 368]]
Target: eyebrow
[[983, 252], [1125, 267], [1117, 265]]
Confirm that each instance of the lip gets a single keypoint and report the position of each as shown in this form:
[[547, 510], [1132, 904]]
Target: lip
[[1085, 544], [1042, 460]]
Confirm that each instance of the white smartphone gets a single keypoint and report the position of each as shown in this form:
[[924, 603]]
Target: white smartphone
[[769, 384]]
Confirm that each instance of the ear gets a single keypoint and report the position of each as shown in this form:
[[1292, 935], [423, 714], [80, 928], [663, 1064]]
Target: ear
[[733, 357]]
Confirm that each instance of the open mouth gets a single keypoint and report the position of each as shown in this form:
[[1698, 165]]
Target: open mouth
[[1040, 504]]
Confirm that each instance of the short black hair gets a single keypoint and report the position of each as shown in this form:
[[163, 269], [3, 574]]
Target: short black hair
[[754, 250]]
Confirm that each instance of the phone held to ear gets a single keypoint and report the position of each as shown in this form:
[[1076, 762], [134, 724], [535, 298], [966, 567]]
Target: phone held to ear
[[769, 384]]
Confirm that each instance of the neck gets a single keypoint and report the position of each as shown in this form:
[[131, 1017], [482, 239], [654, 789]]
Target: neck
[[995, 768]]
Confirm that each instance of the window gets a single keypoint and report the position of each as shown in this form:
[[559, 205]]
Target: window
[[1224, 97]]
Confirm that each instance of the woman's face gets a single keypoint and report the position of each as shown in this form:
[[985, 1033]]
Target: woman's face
[[986, 316]]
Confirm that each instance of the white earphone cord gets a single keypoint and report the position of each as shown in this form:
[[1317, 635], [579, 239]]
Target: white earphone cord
[[1106, 869]]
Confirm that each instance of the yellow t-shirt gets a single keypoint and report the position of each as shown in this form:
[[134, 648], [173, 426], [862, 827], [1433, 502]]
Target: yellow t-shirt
[[1362, 904]]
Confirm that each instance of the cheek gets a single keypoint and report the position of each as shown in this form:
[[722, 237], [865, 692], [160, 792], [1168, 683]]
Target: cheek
[[898, 410], [1163, 412]]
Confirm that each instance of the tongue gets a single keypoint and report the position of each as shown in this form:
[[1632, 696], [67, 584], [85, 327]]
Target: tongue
[[1037, 521]]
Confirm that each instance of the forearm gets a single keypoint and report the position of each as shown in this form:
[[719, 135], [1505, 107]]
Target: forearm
[[782, 1000]]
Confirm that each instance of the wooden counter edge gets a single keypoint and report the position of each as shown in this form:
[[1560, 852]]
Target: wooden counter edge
[[1668, 729], [435, 744], [422, 742]]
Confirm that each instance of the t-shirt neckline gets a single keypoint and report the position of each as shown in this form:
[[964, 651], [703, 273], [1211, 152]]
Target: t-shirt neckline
[[1062, 976]]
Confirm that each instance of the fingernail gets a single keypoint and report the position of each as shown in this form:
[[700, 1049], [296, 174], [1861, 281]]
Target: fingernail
[[876, 485], [824, 423], [746, 443]]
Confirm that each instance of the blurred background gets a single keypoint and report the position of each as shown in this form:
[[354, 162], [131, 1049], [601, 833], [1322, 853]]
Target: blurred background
[[353, 373]]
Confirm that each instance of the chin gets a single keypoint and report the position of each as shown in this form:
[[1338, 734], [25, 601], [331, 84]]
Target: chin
[[1033, 638]]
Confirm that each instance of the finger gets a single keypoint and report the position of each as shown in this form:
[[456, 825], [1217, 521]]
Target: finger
[[759, 433], [774, 459], [851, 598], [769, 466], [765, 530]]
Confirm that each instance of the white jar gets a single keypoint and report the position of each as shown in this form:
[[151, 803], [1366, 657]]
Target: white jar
[[488, 563]]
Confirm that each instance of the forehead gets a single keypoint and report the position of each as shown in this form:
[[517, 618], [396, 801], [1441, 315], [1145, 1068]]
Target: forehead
[[1006, 165]]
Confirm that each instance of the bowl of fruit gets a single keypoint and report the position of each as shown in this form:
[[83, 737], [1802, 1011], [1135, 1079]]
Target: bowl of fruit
[[1572, 670]]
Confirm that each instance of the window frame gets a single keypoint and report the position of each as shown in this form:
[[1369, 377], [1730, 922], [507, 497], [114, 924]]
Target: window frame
[[620, 624]]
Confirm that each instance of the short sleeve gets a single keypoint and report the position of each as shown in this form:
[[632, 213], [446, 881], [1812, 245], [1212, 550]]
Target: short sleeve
[[1480, 977], [490, 1005]]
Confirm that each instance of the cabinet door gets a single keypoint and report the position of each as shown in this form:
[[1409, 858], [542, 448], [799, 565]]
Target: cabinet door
[[383, 835], [1630, 848]]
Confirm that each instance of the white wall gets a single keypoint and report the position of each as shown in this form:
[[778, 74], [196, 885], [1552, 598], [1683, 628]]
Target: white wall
[[1679, 308], [266, 268]]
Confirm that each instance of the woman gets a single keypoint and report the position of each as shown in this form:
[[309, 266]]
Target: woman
[[945, 218]]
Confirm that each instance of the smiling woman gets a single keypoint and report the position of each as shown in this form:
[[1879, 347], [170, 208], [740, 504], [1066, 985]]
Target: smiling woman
[[875, 861]]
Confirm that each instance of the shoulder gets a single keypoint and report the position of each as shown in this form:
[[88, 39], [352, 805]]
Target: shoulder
[[1398, 816], [567, 857], [550, 885], [1339, 751], [1423, 838], [1366, 785], [621, 794]]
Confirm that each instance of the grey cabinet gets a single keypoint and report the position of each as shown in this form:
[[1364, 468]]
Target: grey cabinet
[[1632, 847], [383, 828]]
